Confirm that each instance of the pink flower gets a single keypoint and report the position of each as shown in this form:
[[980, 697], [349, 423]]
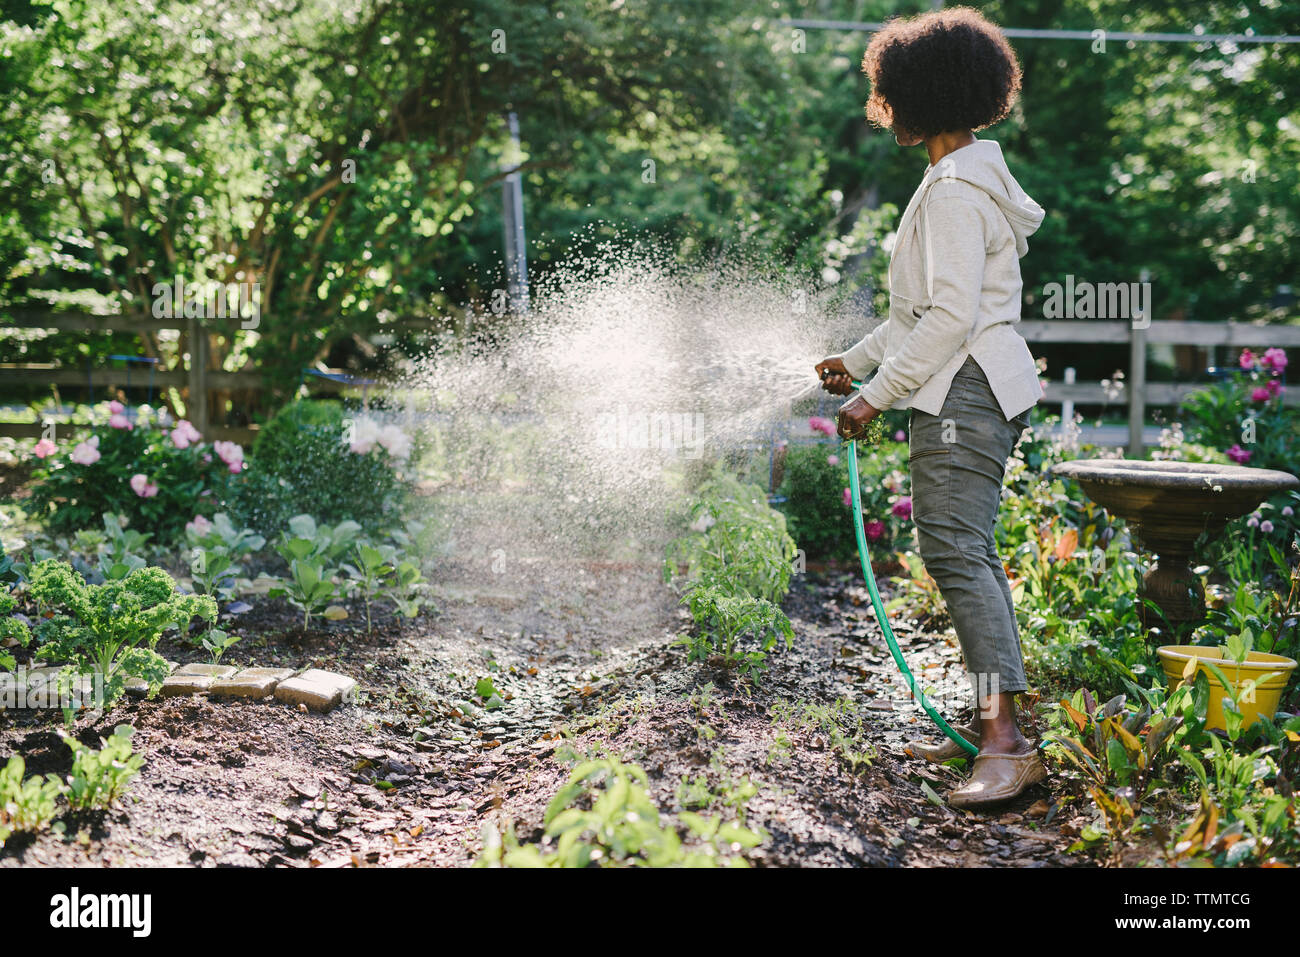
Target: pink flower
[[819, 424], [1252, 522], [832, 460], [43, 448], [1287, 511], [848, 498], [900, 436], [1260, 395], [86, 453], [184, 434], [230, 453], [116, 408], [1275, 359], [120, 421], [1266, 526], [903, 507], [874, 529], [1238, 455], [199, 526], [1274, 387], [1247, 359], [142, 487]]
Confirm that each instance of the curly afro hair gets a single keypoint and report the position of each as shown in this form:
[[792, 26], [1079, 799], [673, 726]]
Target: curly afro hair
[[938, 72]]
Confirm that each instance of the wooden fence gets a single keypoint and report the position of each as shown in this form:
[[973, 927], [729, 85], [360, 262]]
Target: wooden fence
[[199, 380], [194, 378]]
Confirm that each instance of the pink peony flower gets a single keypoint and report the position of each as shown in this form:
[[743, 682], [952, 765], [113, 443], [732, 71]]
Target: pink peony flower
[[199, 526], [1238, 455], [874, 529], [1247, 359], [43, 448], [120, 421], [230, 453], [848, 498], [86, 453], [184, 434], [142, 487], [1274, 387], [819, 424], [1260, 395], [903, 507], [900, 436], [116, 408], [832, 460], [1275, 359]]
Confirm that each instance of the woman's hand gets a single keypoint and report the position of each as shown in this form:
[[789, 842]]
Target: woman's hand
[[855, 415], [835, 378]]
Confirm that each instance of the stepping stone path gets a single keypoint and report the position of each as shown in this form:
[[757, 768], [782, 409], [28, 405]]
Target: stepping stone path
[[316, 689]]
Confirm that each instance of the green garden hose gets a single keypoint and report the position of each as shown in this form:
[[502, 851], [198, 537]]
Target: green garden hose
[[856, 492]]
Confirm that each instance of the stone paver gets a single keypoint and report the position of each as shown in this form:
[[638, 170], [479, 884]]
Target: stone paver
[[249, 683], [317, 689], [180, 684]]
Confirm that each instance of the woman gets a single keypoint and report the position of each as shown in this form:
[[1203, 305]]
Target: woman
[[949, 351]]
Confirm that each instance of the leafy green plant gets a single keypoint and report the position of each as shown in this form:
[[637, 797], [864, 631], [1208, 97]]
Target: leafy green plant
[[722, 620], [26, 805], [309, 588], [100, 777], [217, 642], [405, 591], [604, 816], [10, 627], [738, 542], [110, 630], [372, 569]]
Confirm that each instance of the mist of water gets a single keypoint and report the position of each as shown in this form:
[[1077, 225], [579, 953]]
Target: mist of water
[[567, 435]]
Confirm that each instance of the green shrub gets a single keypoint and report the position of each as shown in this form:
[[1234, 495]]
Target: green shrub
[[813, 486], [302, 462]]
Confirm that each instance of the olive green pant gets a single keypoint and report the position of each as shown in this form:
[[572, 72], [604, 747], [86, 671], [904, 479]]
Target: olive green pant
[[957, 460]]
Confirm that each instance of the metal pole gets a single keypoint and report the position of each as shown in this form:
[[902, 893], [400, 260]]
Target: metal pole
[[516, 245], [1137, 389]]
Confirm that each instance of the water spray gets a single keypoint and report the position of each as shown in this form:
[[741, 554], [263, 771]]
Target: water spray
[[855, 489]]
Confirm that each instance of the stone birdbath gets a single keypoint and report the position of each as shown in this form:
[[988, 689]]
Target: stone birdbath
[[1169, 504]]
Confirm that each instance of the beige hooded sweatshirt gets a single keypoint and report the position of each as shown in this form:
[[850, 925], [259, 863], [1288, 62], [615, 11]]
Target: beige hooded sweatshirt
[[954, 289]]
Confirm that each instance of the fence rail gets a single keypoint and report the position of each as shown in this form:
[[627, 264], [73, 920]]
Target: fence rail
[[199, 380], [195, 378]]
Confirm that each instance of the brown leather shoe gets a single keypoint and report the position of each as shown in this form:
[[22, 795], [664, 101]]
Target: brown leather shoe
[[947, 749], [997, 778]]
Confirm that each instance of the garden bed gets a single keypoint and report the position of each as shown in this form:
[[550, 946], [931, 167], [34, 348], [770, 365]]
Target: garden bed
[[407, 776]]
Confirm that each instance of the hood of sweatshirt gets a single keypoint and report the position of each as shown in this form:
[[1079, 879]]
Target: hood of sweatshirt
[[981, 164]]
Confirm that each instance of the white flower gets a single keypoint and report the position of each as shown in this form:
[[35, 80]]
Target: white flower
[[365, 433], [395, 441]]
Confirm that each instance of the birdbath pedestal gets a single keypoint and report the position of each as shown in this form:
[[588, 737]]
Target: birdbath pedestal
[[1169, 504]]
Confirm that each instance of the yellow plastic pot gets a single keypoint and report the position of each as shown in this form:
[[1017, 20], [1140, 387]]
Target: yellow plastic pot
[[1274, 670]]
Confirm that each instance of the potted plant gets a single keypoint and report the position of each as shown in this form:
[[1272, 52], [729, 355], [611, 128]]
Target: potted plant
[[1252, 680]]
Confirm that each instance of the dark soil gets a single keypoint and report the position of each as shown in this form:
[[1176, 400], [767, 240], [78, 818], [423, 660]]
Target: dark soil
[[584, 660]]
